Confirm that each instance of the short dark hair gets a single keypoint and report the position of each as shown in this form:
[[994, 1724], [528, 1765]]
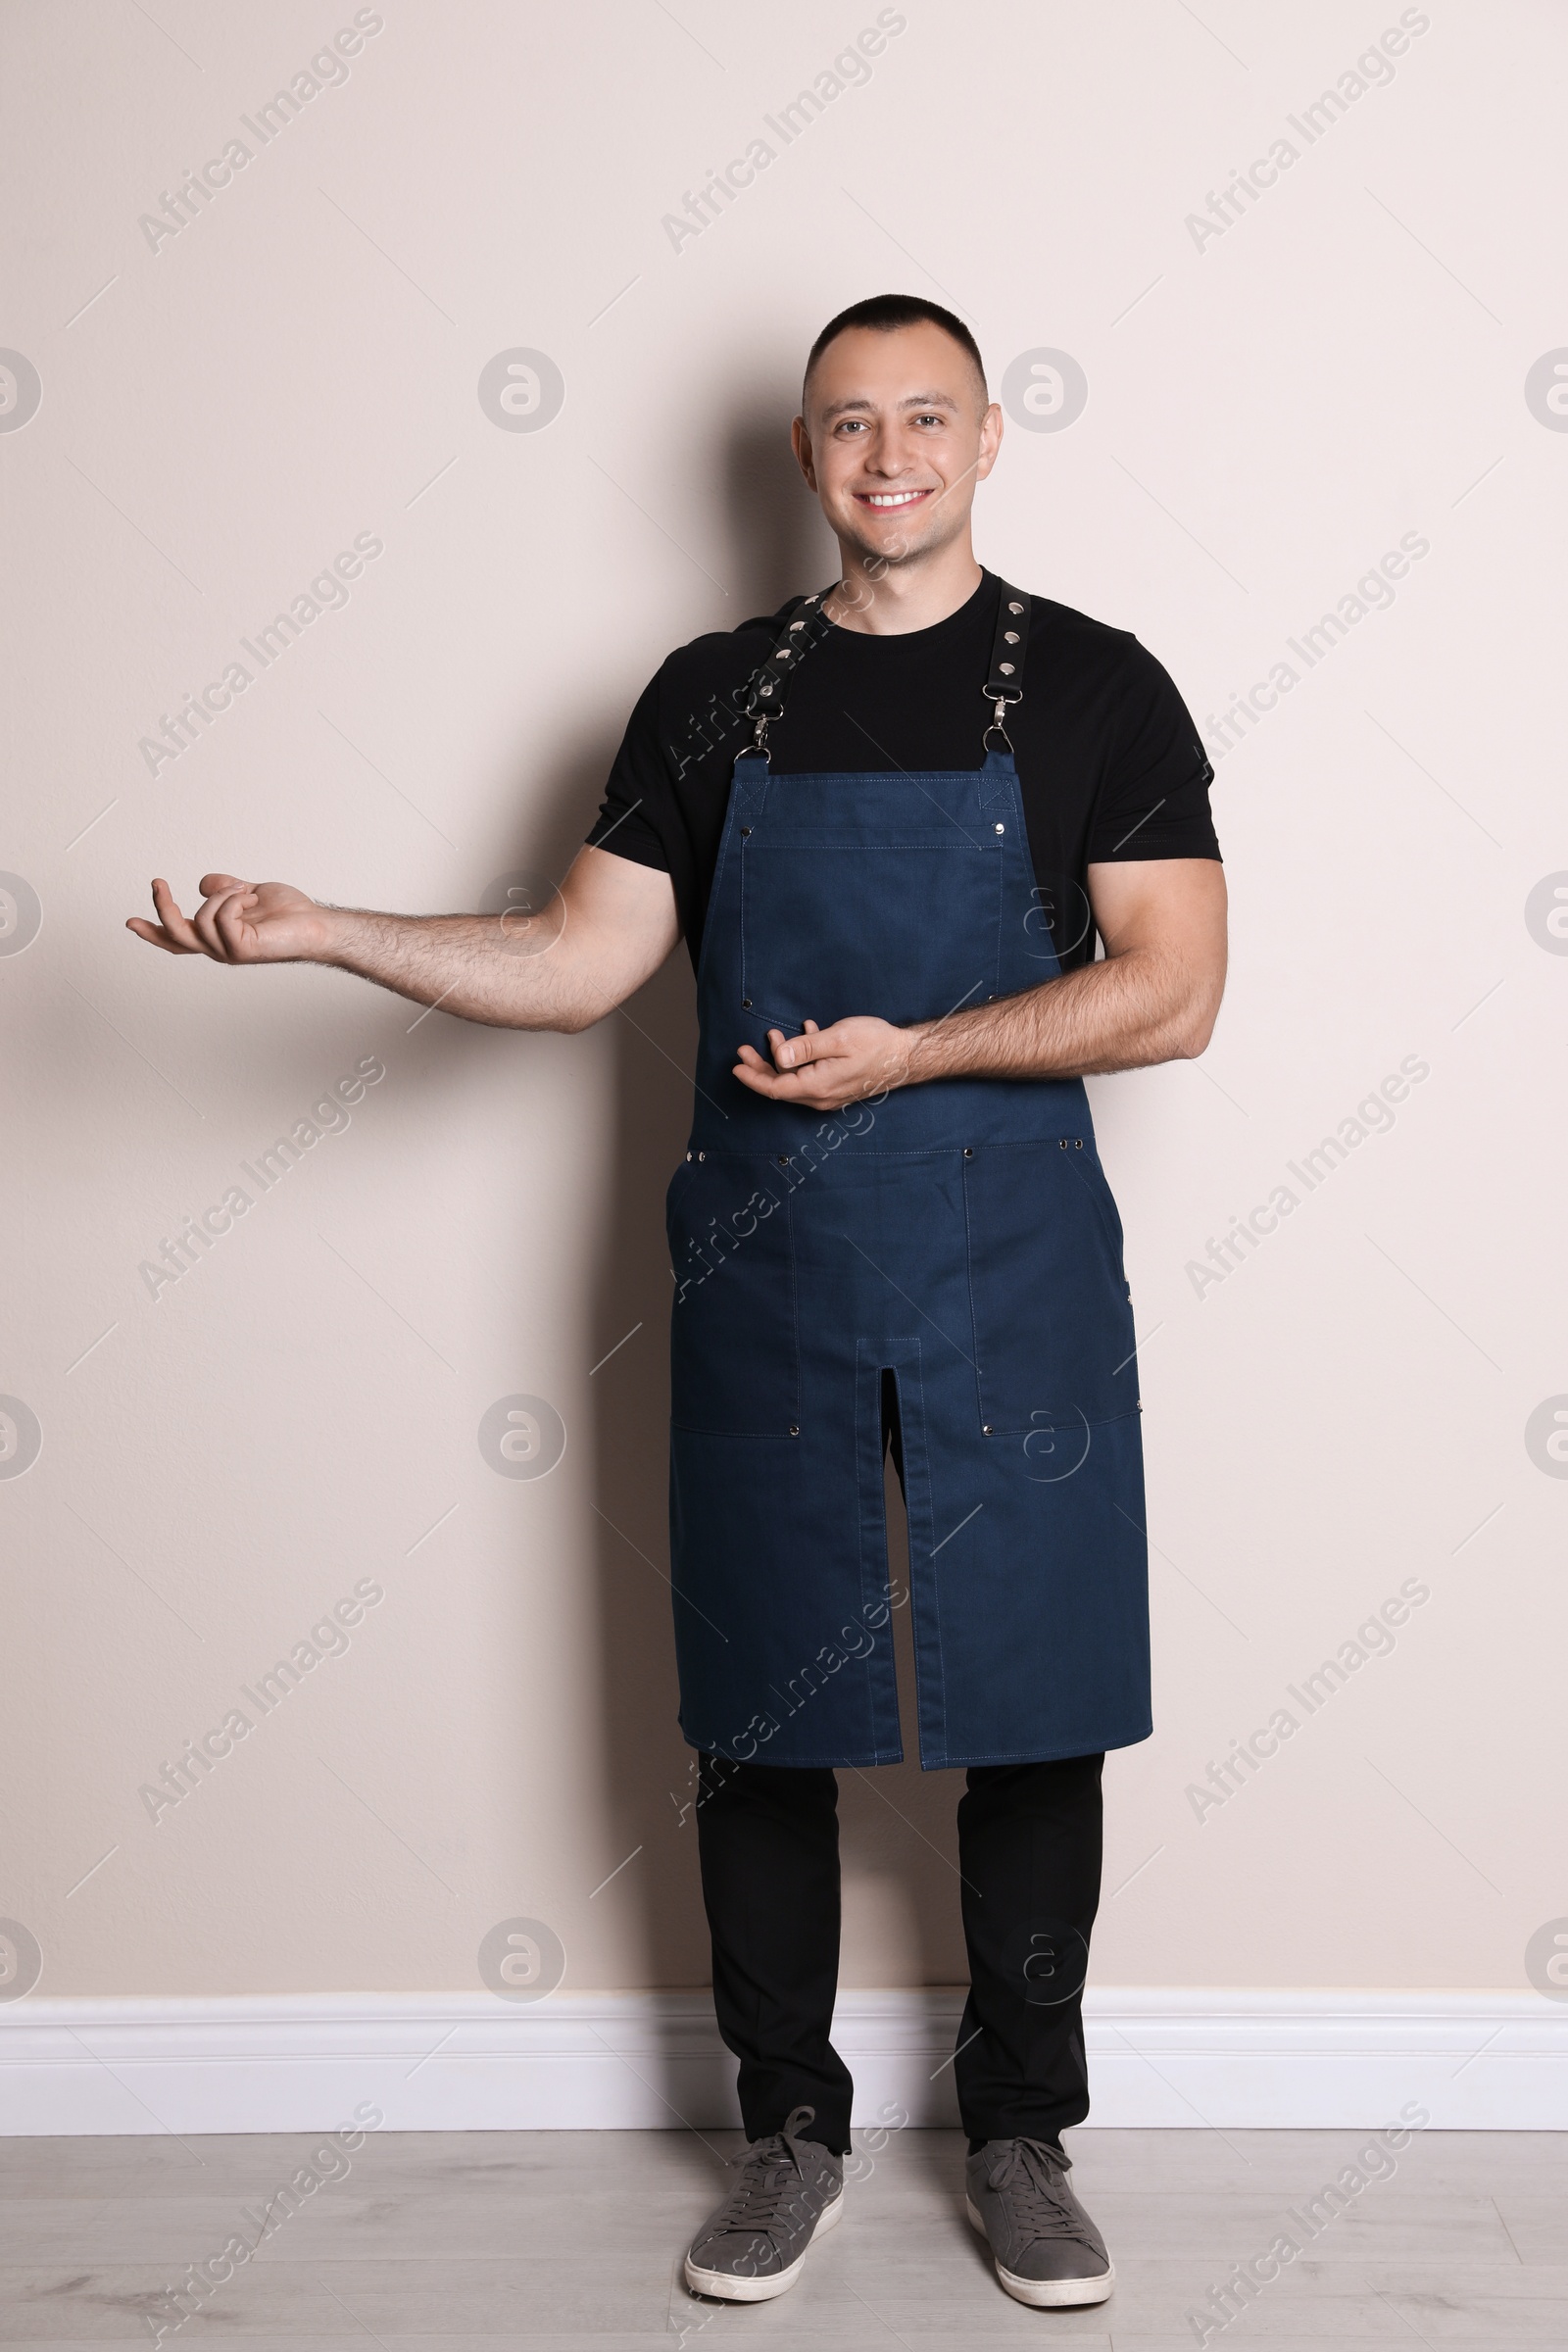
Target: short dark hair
[[885, 313]]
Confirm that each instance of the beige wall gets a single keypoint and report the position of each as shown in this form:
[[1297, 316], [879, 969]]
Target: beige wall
[[1269, 409]]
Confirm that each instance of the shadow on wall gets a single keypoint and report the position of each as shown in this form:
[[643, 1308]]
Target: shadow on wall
[[897, 1823], [778, 544]]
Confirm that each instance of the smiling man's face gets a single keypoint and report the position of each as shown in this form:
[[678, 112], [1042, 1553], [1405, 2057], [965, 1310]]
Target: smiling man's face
[[897, 433]]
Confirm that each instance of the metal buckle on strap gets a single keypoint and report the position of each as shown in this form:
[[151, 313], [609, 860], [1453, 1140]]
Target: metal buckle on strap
[[996, 727], [1000, 698]]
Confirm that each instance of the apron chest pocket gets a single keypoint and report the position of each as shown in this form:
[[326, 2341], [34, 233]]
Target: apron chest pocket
[[734, 1352], [1052, 1324], [904, 929]]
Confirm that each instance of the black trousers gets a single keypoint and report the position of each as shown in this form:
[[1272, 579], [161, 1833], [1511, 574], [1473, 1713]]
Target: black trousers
[[1029, 1855]]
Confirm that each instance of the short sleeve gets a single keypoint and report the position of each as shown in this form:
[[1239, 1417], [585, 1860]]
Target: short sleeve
[[634, 811], [1152, 799]]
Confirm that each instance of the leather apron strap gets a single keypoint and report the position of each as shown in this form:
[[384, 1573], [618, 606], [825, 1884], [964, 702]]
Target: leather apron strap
[[805, 627], [1008, 646]]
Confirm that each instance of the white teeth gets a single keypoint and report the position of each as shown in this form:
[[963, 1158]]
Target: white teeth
[[893, 498]]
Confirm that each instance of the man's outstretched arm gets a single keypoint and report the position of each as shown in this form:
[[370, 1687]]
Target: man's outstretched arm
[[608, 928], [1153, 998]]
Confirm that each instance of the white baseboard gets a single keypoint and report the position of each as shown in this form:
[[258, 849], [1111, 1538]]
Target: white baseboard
[[621, 2061]]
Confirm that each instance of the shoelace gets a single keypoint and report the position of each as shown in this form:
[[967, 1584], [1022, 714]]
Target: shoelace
[[770, 2169], [1035, 2186]]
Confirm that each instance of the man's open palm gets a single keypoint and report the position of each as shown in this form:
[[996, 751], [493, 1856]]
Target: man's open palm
[[236, 922]]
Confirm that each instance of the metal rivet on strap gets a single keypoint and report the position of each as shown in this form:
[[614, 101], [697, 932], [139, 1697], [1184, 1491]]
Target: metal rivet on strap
[[745, 829], [1005, 669], [1077, 1142], [783, 1159], [688, 1155], [1015, 608], [701, 1155], [1002, 828], [764, 690], [1062, 1144], [1010, 637], [797, 625]]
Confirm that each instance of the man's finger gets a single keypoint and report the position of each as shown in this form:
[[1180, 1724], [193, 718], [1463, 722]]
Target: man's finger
[[154, 936], [175, 927], [205, 922], [810, 1093], [794, 1053], [228, 922], [764, 1081]]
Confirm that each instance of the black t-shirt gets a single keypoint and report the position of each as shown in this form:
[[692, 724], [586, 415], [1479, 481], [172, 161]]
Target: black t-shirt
[[1109, 762]]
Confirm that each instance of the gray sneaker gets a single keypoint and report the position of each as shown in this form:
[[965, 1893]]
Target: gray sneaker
[[786, 2190], [1046, 2249]]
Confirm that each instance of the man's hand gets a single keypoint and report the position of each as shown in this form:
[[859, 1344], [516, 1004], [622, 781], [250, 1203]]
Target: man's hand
[[238, 922], [825, 1068]]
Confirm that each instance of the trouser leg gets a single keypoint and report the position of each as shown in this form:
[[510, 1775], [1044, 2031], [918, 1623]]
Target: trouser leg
[[768, 1837], [1029, 1852]]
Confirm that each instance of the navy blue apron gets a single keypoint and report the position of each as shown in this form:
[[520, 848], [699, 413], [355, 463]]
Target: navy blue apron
[[958, 1236]]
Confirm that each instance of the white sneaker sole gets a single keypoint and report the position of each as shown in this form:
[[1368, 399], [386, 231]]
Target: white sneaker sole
[[731, 2289], [1041, 2293]]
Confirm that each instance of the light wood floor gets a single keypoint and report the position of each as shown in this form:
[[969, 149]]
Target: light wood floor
[[574, 2240]]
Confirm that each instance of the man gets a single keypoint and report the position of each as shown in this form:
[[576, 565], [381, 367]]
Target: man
[[887, 821]]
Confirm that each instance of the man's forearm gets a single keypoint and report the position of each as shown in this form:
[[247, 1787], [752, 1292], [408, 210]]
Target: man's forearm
[[1119, 1014], [512, 972]]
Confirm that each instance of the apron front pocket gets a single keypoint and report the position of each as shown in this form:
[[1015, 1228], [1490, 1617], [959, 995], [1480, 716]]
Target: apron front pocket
[[735, 1359], [904, 929], [1053, 1321]]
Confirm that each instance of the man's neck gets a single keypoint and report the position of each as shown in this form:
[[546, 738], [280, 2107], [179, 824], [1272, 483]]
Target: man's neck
[[879, 599]]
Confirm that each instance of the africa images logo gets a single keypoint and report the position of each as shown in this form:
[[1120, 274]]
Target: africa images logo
[[21, 913], [21, 1436], [521, 390], [20, 391], [1546, 390], [1044, 390], [523, 1437]]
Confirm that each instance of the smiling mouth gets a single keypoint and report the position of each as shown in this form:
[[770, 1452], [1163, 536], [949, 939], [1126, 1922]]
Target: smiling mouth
[[887, 502]]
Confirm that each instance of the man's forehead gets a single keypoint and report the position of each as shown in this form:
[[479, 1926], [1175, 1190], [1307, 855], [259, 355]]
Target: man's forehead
[[883, 369]]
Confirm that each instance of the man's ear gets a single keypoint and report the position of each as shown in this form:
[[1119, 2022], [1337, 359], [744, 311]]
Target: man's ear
[[800, 443]]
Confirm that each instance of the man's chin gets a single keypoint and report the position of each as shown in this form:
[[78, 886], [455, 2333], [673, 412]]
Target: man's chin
[[897, 544]]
